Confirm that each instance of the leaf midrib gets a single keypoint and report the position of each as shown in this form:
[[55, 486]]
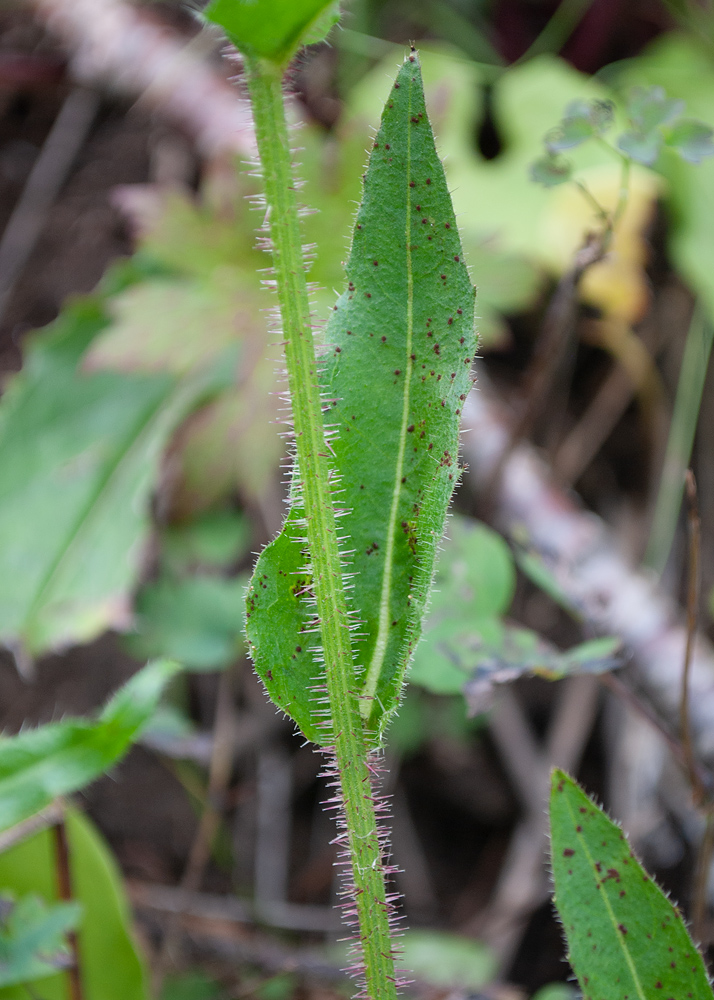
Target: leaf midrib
[[380, 647]]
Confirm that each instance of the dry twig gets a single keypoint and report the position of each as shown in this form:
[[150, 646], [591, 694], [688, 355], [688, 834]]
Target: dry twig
[[590, 566], [111, 42]]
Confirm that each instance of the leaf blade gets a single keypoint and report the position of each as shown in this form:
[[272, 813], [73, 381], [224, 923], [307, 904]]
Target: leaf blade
[[399, 348], [623, 933], [79, 456], [272, 30], [40, 764]]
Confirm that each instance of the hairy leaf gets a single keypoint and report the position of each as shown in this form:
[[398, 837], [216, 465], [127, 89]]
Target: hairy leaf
[[39, 764], [112, 968], [79, 456], [273, 29], [397, 368], [625, 938], [32, 937]]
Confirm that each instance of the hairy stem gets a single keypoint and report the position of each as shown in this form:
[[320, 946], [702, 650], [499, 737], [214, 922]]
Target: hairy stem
[[312, 458]]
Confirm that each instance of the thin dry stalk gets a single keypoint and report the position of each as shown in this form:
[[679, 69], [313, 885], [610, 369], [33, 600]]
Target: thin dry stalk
[[199, 856], [552, 345], [64, 891], [693, 522]]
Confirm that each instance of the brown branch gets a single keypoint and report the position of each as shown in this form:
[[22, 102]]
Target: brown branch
[[48, 174], [64, 891], [113, 43], [590, 567], [552, 345]]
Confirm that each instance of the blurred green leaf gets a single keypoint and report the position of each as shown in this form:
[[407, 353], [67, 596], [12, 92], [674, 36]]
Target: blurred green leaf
[[475, 577], [467, 647], [173, 325], [197, 620], [111, 966], [40, 764], [684, 69], [582, 120], [447, 960], [80, 455], [230, 445], [278, 987], [649, 107], [555, 991], [473, 587], [693, 140], [472, 659], [215, 540], [33, 937], [532, 565], [208, 296], [550, 171], [642, 147], [190, 986], [273, 29]]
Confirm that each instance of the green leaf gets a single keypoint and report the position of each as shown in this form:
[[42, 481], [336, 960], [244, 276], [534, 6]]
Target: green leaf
[[231, 444], [582, 121], [40, 764], [693, 140], [272, 29], [191, 986], [467, 648], [397, 367], [33, 937], [197, 621], [531, 564], [474, 576], [472, 658], [649, 108], [643, 147], [80, 455], [556, 991], [173, 325], [216, 540], [447, 960], [625, 938], [550, 171], [111, 966], [684, 68]]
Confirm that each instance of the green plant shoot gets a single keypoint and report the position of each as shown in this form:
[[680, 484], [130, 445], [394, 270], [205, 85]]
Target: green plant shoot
[[400, 345], [370, 434], [626, 940]]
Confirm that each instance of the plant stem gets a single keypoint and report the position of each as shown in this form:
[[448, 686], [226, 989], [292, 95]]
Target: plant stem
[[350, 749]]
